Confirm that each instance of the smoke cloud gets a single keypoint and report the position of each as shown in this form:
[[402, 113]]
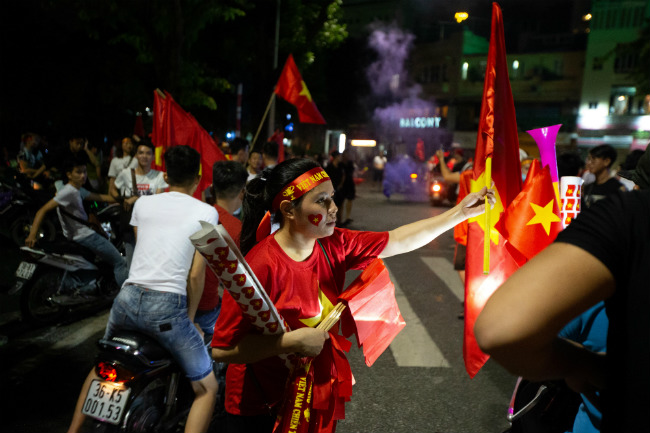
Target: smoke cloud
[[395, 96]]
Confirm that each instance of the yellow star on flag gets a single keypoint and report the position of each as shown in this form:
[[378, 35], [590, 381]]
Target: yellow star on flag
[[325, 307], [495, 212], [305, 92], [544, 216]]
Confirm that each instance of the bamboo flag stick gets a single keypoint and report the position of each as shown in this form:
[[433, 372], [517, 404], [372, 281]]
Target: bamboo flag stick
[[332, 318], [160, 93], [486, 239], [268, 107]]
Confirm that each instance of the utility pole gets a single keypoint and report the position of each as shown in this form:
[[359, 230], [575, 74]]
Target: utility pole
[[271, 124]]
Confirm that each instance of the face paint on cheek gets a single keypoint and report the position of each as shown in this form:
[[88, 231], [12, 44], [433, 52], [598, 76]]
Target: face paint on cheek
[[315, 219]]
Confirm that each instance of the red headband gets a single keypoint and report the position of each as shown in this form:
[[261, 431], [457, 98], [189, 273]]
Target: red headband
[[300, 186]]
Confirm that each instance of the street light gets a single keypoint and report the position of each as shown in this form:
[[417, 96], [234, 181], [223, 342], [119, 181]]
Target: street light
[[461, 16]]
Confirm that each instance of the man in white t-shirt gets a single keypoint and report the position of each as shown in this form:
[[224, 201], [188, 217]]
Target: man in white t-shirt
[[165, 282], [147, 182]]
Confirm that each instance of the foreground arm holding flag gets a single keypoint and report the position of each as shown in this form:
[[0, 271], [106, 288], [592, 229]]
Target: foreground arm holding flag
[[602, 255], [302, 267]]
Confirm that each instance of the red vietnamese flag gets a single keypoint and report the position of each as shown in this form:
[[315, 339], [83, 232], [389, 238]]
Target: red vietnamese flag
[[174, 126], [371, 302], [497, 144], [532, 221], [291, 88]]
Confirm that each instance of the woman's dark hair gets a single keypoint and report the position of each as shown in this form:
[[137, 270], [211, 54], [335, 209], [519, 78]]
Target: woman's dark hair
[[118, 148], [260, 193]]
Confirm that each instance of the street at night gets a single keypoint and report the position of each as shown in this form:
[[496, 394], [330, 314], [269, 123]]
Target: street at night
[[419, 384]]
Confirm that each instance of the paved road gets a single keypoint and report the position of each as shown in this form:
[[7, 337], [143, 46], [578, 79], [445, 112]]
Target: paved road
[[418, 385]]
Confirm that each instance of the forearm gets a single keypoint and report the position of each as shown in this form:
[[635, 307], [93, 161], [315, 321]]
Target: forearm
[[40, 170], [550, 360], [101, 197], [415, 235], [92, 157], [195, 284], [36, 224], [194, 293], [451, 177], [253, 348]]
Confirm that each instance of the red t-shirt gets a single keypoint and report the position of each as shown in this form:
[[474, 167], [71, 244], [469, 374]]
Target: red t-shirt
[[210, 298], [293, 287]]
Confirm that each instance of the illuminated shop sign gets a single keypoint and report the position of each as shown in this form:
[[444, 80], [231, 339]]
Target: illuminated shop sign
[[419, 122]]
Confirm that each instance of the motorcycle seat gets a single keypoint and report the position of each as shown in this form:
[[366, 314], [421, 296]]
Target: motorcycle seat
[[133, 342], [67, 247]]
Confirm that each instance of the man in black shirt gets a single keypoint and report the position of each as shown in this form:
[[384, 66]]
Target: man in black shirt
[[599, 162]]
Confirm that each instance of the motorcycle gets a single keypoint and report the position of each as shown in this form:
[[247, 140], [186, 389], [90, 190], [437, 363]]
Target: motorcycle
[[55, 268], [440, 192], [140, 388], [19, 201], [407, 177]]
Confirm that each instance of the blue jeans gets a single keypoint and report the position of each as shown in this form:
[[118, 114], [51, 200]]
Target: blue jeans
[[108, 253], [162, 316]]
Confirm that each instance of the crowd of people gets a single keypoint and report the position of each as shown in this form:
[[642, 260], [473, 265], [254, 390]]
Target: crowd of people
[[301, 256]]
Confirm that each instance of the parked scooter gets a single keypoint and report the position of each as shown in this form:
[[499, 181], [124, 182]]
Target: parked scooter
[[141, 388], [55, 268], [19, 201]]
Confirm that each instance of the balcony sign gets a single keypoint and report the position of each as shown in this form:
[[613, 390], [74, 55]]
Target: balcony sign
[[419, 122]]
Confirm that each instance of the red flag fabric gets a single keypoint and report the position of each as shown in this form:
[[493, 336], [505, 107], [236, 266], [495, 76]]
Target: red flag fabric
[[278, 137], [138, 128], [497, 139], [419, 149], [174, 126], [371, 302], [291, 88], [532, 221], [460, 230]]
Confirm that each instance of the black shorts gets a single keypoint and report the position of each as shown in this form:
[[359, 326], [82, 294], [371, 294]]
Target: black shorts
[[459, 257]]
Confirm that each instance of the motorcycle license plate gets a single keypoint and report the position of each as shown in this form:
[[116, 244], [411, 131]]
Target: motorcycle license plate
[[105, 401], [25, 270]]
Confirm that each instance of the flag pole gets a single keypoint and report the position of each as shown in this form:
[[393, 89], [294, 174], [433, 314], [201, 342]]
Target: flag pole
[[486, 239], [161, 93], [259, 128]]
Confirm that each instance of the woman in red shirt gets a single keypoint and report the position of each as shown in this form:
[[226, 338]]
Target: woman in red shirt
[[302, 267]]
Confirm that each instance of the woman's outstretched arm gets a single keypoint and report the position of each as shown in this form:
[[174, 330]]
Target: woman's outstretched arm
[[415, 235]]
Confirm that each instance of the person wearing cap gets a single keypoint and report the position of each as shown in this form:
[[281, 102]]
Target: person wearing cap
[[603, 255], [302, 268]]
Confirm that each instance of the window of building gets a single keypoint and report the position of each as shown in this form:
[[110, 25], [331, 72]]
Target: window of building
[[627, 59], [597, 64]]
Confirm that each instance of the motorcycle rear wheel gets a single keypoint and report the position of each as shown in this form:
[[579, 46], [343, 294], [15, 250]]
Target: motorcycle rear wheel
[[20, 228], [35, 301]]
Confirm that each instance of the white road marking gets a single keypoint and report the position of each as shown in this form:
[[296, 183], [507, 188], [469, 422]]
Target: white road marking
[[414, 347], [444, 269]]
